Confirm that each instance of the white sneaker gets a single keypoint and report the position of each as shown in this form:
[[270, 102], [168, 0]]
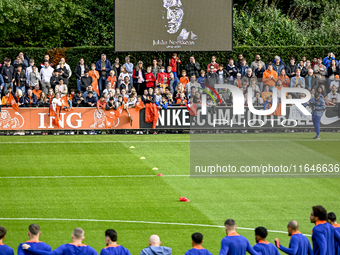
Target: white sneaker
[[57, 133], [22, 133], [72, 133], [54, 133], [32, 133], [16, 133], [92, 133], [84, 132]]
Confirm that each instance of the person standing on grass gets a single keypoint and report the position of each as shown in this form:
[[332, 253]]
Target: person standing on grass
[[4, 249], [112, 248], [234, 243], [76, 247], [33, 234], [324, 235], [299, 244], [262, 245], [197, 248], [155, 247], [318, 105]]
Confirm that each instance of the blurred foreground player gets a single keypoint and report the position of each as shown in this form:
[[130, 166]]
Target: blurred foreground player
[[197, 248], [331, 218], [299, 244], [76, 247], [4, 249], [33, 234]]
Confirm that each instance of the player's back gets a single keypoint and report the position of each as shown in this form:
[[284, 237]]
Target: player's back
[[266, 248], [6, 250], [325, 232], [38, 245], [115, 250], [303, 243], [72, 249], [198, 251], [337, 246], [235, 245]]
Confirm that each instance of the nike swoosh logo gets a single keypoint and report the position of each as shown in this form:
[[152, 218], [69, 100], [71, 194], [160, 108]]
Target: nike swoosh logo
[[327, 121]]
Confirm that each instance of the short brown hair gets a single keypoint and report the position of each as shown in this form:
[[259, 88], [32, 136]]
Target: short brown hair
[[78, 233], [34, 229]]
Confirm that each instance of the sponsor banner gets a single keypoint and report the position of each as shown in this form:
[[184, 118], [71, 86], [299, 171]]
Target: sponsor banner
[[78, 118], [223, 118]]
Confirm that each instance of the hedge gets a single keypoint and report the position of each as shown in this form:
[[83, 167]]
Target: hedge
[[92, 54]]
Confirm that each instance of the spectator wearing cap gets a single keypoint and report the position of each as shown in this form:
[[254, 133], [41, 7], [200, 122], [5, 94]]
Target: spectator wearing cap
[[213, 63], [278, 65], [256, 63], [291, 68], [85, 80], [310, 80], [90, 100], [8, 74], [80, 72]]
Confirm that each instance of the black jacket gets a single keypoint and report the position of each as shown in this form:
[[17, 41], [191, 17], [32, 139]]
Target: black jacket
[[64, 75], [8, 71], [116, 69], [75, 100], [291, 69], [22, 77], [85, 82], [330, 71], [211, 78], [78, 70], [55, 80], [314, 82]]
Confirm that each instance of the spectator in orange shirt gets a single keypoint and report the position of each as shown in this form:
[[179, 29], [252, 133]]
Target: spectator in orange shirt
[[238, 81], [5, 99], [36, 91], [101, 103], [184, 79], [284, 78], [95, 76], [266, 93], [112, 78], [270, 77], [181, 101]]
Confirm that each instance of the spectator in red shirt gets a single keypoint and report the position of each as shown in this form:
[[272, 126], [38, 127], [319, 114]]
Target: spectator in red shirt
[[173, 63], [101, 103], [213, 63], [161, 75]]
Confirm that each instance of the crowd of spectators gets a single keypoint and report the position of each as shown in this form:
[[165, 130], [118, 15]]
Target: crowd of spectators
[[35, 85]]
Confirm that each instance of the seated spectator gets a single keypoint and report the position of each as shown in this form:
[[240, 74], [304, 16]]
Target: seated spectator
[[297, 79], [101, 103], [270, 77], [85, 80], [124, 95], [257, 100], [19, 98], [43, 100], [117, 93], [90, 100], [108, 88], [37, 92], [333, 94], [55, 78], [326, 100], [178, 91], [303, 69], [232, 71], [63, 72], [284, 79], [149, 98], [30, 99], [225, 95], [197, 99], [5, 101], [335, 82], [266, 93], [72, 93], [310, 80], [164, 84], [126, 84], [163, 104], [94, 74], [243, 68], [111, 105], [334, 102], [268, 103], [112, 79], [321, 91], [89, 88], [157, 96], [61, 87], [155, 247], [181, 101], [20, 78], [78, 100], [255, 64], [254, 88], [238, 81]]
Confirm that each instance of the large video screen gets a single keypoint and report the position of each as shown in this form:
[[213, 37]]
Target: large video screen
[[173, 25]]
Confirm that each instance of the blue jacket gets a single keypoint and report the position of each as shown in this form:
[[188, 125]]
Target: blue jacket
[[67, 249], [107, 66], [319, 104], [298, 245], [324, 238], [6, 250], [156, 250], [326, 61], [27, 100], [243, 70], [86, 93], [266, 249], [2, 83], [174, 85], [281, 66]]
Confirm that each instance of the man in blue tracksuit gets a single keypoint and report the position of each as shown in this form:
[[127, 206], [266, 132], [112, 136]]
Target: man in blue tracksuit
[[318, 105]]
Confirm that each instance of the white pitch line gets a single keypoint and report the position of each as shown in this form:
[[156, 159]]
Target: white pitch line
[[139, 222], [184, 141], [98, 176]]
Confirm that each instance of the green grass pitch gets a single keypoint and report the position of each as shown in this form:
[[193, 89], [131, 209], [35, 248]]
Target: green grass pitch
[[131, 196]]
